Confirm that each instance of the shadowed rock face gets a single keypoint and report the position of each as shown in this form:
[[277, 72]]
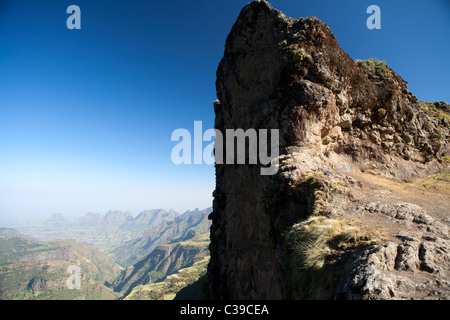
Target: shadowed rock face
[[334, 115]]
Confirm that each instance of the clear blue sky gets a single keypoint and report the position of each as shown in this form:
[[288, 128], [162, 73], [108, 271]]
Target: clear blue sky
[[86, 115]]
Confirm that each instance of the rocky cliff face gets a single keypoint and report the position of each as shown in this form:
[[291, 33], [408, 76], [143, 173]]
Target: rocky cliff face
[[351, 134]]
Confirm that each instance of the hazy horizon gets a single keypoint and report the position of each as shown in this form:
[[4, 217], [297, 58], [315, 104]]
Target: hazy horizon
[[86, 115], [74, 217]]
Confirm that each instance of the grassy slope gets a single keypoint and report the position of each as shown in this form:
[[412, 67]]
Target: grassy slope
[[161, 276], [133, 251], [37, 270], [433, 111], [23, 261]]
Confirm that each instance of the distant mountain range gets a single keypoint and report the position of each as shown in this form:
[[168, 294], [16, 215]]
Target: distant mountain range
[[118, 217], [91, 218], [161, 252], [117, 233]]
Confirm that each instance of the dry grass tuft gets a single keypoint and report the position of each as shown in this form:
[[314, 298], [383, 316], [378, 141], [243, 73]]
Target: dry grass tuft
[[313, 239]]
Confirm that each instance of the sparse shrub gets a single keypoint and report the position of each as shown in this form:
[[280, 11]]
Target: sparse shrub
[[296, 53], [375, 66]]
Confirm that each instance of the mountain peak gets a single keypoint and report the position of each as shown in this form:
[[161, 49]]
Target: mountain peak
[[344, 127], [154, 217], [91, 217]]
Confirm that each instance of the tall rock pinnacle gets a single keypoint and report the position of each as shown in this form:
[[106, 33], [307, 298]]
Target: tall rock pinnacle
[[336, 117]]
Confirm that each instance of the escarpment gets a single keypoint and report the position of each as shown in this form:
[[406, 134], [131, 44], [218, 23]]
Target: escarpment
[[348, 215]]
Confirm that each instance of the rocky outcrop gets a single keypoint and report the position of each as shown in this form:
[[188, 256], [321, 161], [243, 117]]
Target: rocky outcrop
[[374, 272], [155, 217], [337, 119], [38, 284], [117, 217]]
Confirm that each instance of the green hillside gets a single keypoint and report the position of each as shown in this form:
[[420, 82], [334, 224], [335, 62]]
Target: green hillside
[[167, 269], [187, 279], [38, 270], [31, 269], [168, 232]]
